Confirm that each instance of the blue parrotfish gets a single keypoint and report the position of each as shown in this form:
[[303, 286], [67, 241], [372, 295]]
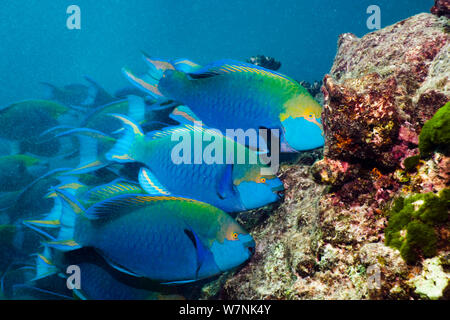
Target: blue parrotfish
[[229, 94], [79, 95], [99, 281], [167, 239], [224, 182]]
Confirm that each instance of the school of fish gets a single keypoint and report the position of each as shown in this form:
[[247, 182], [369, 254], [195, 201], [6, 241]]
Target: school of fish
[[113, 184]]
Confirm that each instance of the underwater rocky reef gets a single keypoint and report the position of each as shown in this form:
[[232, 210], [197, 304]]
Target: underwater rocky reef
[[370, 220]]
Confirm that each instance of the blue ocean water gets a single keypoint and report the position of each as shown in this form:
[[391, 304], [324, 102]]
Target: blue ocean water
[[37, 46]]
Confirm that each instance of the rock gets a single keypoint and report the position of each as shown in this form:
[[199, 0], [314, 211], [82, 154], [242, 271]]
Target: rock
[[381, 90], [374, 101], [433, 281], [327, 239], [286, 243]]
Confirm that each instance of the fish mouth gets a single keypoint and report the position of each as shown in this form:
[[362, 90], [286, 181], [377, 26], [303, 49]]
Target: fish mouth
[[250, 245], [279, 191], [280, 194]]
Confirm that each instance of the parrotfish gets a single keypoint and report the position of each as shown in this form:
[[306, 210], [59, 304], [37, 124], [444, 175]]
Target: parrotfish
[[99, 281], [133, 106], [18, 203], [15, 173], [24, 121], [229, 94], [224, 181], [164, 238], [79, 95]]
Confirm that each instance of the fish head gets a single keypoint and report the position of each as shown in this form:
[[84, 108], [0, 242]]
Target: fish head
[[233, 248], [255, 188], [302, 124], [172, 82]]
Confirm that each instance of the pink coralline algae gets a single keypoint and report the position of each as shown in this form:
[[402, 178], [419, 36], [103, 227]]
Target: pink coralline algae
[[381, 90]]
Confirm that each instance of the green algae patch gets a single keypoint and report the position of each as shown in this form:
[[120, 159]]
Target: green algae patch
[[435, 134], [411, 163], [412, 222]]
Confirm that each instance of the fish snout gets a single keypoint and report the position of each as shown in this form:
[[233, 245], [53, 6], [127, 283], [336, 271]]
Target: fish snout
[[278, 189], [250, 245]]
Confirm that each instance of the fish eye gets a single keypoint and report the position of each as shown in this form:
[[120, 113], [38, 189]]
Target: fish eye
[[262, 180], [234, 236], [310, 115]]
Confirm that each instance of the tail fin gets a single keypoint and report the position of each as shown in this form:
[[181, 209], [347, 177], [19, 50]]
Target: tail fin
[[136, 108], [157, 66], [145, 83], [89, 157], [44, 264], [71, 209], [51, 220], [99, 96], [62, 215], [123, 151], [186, 65], [50, 90]]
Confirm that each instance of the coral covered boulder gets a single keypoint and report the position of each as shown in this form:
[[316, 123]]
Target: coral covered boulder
[[337, 235], [383, 87]]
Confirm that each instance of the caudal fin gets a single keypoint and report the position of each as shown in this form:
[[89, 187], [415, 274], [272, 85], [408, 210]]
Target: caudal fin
[[50, 90], [71, 209], [98, 95], [90, 140], [44, 264], [125, 149], [62, 217]]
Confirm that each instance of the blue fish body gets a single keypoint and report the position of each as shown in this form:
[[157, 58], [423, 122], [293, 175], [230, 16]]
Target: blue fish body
[[166, 239], [229, 94], [226, 186]]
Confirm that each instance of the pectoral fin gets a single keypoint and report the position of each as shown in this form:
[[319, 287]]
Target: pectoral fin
[[224, 187], [200, 248], [121, 268]]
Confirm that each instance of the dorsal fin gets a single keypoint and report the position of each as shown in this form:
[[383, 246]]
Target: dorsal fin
[[123, 203], [227, 66], [110, 190], [186, 128]]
